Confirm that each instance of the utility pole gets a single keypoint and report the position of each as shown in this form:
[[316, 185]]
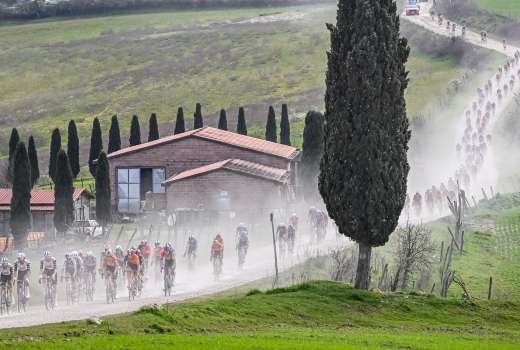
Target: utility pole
[[275, 254]]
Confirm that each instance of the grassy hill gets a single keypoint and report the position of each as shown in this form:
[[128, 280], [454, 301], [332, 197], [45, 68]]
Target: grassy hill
[[323, 315], [507, 8], [55, 70]]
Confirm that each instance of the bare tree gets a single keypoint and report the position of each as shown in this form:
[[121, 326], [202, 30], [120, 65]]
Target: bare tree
[[414, 253], [343, 263]]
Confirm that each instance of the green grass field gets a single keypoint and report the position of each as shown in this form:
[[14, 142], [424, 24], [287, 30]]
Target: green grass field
[[509, 8], [55, 70], [323, 315]]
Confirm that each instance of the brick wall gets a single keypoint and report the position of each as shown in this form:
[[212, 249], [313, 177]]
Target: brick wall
[[243, 193]]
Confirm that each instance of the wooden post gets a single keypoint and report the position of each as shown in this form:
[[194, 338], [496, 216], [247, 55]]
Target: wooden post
[[492, 191], [442, 251], [131, 238], [474, 201], [119, 235], [275, 253], [484, 193], [462, 242], [490, 287], [433, 288]]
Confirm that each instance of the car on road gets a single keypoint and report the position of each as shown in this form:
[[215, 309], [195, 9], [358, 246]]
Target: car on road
[[412, 10]]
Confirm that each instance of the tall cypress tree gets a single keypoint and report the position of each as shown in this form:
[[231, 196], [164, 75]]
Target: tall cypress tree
[[198, 121], [103, 195], [53, 154], [13, 142], [135, 131], [312, 151], [20, 220], [285, 127], [73, 148], [114, 136], [96, 145], [270, 126], [153, 128], [179, 122], [364, 165], [222, 120], [33, 161], [63, 194], [241, 123]]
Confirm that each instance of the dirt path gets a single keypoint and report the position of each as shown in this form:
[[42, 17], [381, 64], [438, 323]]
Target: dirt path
[[189, 284]]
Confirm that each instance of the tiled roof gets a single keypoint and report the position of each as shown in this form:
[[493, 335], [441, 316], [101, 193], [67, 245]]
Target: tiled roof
[[38, 197], [222, 136], [236, 165]]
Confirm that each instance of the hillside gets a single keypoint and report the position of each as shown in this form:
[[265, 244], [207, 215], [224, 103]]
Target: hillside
[[319, 314], [139, 63]]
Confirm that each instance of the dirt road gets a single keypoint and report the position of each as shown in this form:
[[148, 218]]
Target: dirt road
[[189, 284]]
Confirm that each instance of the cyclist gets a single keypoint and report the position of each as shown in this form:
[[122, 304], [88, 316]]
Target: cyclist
[[242, 243], [22, 271], [7, 278], [48, 267], [70, 272], [90, 265], [133, 263], [109, 266], [191, 248], [120, 255], [293, 220], [217, 248], [168, 261], [282, 234], [291, 238]]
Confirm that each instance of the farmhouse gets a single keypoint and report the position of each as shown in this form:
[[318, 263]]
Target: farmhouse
[[203, 169], [42, 209]]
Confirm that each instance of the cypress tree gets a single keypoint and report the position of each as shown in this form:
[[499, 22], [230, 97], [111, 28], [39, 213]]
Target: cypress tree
[[198, 121], [135, 132], [20, 220], [53, 154], [13, 142], [364, 165], [285, 127], [311, 154], [153, 128], [73, 148], [33, 161], [270, 127], [63, 194], [114, 136], [96, 145], [241, 123], [179, 123], [103, 195], [222, 120]]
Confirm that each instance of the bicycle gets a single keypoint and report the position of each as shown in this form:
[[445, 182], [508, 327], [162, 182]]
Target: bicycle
[[217, 267], [110, 287], [242, 252], [50, 293], [70, 289], [5, 298], [133, 286], [22, 289], [169, 280], [89, 286]]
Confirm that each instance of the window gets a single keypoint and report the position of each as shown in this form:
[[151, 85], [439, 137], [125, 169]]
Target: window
[[158, 179], [128, 190]]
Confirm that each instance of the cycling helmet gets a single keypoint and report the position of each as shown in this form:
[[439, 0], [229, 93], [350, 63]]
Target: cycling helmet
[[157, 244], [89, 253], [46, 253], [242, 225], [21, 255], [109, 252], [119, 248], [74, 254], [5, 260], [67, 255]]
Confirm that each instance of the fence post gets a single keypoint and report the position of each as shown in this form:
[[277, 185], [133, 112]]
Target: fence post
[[490, 287]]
